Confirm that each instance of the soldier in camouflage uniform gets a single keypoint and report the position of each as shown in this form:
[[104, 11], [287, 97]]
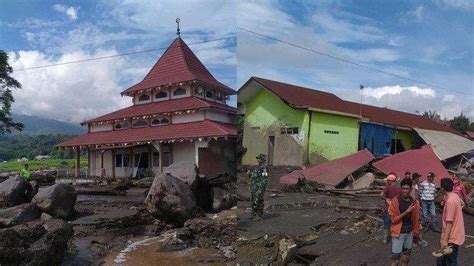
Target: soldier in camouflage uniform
[[258, 182]]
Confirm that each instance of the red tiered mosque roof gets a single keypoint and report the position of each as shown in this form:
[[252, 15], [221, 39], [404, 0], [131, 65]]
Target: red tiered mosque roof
[[177, 64], [172, 132], [162, 107]]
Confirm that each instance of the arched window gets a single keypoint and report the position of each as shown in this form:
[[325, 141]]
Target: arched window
[[140, 123], [144, 97], [122, 125], [160, 121], [210, 94], [161, 94], [199, 91], [179, 91]]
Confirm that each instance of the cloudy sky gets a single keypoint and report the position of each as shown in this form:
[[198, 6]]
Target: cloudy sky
[[431, 41]]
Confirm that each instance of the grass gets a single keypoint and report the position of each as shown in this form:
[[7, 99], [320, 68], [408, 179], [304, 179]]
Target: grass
[[35, 165]]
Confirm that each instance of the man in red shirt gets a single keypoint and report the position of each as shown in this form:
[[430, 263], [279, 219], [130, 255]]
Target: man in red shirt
[[391, 190], [453, 234]]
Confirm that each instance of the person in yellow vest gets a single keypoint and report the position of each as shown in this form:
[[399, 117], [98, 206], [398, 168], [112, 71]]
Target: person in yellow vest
[[25, 173]]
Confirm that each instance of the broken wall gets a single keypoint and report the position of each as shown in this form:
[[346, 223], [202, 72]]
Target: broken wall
[[408, 138], [265, 116]]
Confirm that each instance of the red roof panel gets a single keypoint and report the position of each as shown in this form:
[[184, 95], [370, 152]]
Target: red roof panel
[[168, 106], [330, 173], [470, 134], [300, 97], [177, 64], [182, 131], [422, 161]]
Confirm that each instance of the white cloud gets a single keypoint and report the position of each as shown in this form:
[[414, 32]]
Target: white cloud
[[413, 98], [467, 5], [417, 14], [70, 11], [69, 92]]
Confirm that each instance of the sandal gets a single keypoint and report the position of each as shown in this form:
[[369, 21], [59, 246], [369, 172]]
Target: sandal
[[442, 252]]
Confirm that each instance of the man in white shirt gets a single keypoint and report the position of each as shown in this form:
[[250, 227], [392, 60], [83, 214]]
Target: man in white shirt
[[428, 193]]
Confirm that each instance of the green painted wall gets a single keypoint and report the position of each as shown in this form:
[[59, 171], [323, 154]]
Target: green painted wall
[[265, 115], [407, 137], [325, 146]]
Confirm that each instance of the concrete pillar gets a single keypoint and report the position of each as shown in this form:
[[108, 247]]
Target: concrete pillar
[[113, 163], [78, 161], [160, 163]]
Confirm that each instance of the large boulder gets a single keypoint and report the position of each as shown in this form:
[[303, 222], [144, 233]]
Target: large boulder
[[171, 200], [14, 191], [18, 214], [185, 171], [222, 199], [57, 200], [35, 243]]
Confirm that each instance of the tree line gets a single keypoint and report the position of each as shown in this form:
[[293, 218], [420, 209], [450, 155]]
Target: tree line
[[15, 146]]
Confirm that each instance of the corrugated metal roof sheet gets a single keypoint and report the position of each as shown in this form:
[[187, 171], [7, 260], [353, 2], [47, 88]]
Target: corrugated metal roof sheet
[[330, 173], [445, 144], [421, 161]]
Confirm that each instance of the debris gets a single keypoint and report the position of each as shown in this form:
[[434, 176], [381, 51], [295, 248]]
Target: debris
[[18, 214], [421, 160], [331, 173], [469, 246], [57, 200], [116, 217], [362, 182], [35, 243], [100, 190], [286, 250], [171, 199], [222, 199]]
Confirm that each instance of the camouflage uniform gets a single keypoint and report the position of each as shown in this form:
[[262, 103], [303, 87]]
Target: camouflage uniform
[[258, 182]]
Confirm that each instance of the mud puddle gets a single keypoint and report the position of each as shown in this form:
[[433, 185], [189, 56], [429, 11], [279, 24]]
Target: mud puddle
[[147, 252]]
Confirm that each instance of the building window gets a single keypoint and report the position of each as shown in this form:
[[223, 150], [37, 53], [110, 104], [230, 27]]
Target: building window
[[118, 160], [166, 154], [140, 123], [210, 94], [156, 159], [331, 132], [179, 91], [161, 95], [289, 130], [160, 121], [126, 160], [199, 91], [144, 97], [122, 125]]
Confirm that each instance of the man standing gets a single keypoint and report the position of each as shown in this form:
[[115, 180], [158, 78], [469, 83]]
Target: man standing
[[404, 214], [453, 234], [391, 190], [428, 192], [258, 182]]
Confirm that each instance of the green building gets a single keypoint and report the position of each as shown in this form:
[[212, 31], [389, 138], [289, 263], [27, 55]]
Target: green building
[[297, 126]]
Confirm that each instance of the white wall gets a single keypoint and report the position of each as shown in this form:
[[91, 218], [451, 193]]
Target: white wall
[[103, 127], [185, 118], [142, 102], [184, 151], [161, 99], [218, 116], [197, 145]]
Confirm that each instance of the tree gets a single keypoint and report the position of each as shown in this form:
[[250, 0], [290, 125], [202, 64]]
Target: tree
[[471, 126], [460, 123], [433, 115], [6, 97]]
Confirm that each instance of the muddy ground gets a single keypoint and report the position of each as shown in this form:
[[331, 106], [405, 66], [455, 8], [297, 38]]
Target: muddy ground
[[108, 227], [337, 236]]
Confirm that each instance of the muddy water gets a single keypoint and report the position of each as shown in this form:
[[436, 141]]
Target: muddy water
[[146, 252]]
